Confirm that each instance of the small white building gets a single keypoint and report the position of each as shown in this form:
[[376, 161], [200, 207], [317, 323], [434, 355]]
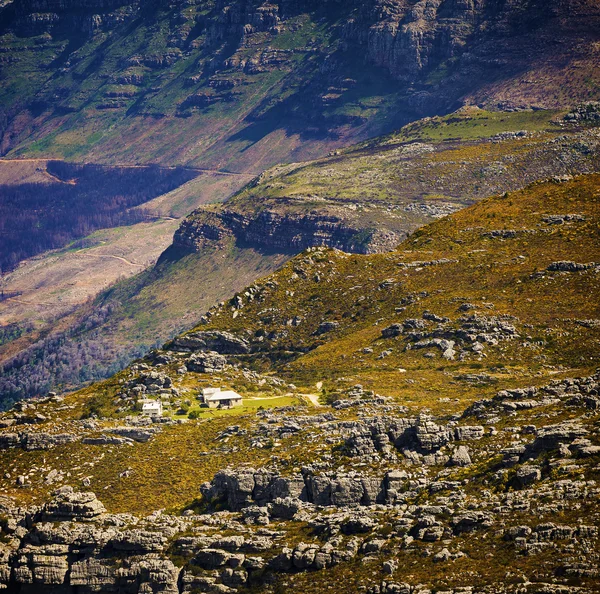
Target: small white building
[[152, 408], [217, 398]]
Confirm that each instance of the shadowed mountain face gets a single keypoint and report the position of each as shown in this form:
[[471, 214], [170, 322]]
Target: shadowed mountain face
[[246, 84]]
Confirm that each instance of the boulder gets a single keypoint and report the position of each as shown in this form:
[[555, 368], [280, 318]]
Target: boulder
[[136, 433], [569, 266], [137, 541], [224, 343], [208, 362], [70, 505], [526, 476], [325, 327], [460, 457], [392, 331]]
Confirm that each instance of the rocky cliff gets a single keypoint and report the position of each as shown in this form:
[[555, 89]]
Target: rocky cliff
[[367, 198], [283, 233], [326, 71]]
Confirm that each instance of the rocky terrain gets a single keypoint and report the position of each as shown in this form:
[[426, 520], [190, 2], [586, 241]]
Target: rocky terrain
[[422, 172], [228, 88], [247, 84], [401, 288], [400, 433]]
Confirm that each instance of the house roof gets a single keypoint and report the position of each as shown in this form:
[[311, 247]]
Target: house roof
[[152, 404], [226, 395]]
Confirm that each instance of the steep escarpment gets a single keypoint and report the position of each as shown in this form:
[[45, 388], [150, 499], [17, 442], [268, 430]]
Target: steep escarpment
[[424, 420], [236, 83], [283, 233]]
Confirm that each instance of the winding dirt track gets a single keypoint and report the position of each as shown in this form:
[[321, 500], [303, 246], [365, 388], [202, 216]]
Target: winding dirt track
[[111, 256], [117, 165]]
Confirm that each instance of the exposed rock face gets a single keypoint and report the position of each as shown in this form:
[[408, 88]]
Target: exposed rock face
[[210, 362], [580, 392], [223, 343], [283, 232], [34, 441], [408, 38], [71, 544], [69, 505], [566, 266]]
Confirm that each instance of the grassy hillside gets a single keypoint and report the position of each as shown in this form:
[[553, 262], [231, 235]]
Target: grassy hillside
[[511, 282], [104, 334], [409, 178], [489, 260], [488, 264], [424, 170]]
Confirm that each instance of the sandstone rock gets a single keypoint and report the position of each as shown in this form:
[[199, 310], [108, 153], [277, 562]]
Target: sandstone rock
[[254, 514], [209, 362], [470, 521], [68, 504], [460, 457], [392, 331], [223, 343], [284, 508], [106, 440], [568, 266], [325, 327], [526, 476], [136, 433], [138, 541]]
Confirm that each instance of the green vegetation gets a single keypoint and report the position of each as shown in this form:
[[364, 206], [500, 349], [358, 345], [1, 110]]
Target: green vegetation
[[145, 90], [498, 276], [491, 264], [444, 162]]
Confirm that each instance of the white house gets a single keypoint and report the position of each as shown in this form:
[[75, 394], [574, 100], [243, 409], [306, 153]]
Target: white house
[[217, 398], [152, 408]]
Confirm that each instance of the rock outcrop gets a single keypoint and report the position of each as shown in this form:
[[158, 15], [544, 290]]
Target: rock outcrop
[[285, 232]]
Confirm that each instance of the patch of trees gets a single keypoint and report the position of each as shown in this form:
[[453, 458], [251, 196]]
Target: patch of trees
[[11, 332], [38, 217], [70, 358]]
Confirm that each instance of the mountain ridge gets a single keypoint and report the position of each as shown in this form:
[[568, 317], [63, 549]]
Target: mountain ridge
[[424, 171], [221, 59]]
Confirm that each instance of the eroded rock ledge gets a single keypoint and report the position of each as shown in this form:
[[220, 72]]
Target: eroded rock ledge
[[289, 232]]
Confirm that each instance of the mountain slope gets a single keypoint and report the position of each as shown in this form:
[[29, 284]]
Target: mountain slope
[[74, 201], [406, 179], [492, 261], [246, 84], [234, 87], [464, 459], [379, 191]]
